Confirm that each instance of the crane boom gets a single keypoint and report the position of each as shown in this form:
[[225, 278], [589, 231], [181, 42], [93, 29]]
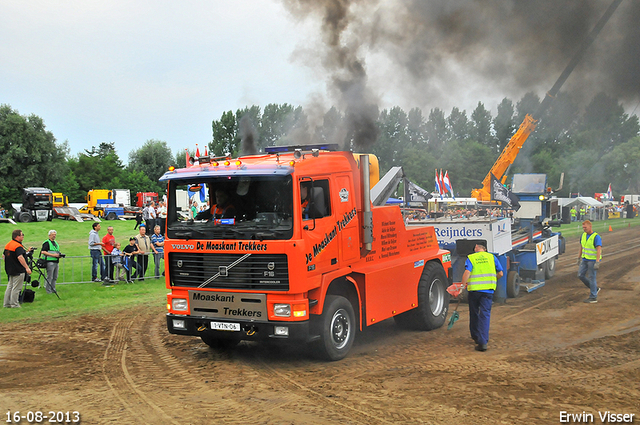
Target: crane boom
[[530, 122]]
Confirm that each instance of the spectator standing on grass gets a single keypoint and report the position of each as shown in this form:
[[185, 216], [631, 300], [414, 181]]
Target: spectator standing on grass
[[95, 246], [157, 242], [50, 251], [150, 216], [589, 260], [138, 220], [130, 264], [162, 216], [116, 260], [145, 247], [109, 242], [15, 264]]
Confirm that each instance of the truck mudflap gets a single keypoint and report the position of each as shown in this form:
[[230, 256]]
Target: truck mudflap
[[240, 329]]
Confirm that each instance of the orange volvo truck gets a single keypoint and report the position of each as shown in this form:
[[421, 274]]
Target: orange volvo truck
[[292, 249]]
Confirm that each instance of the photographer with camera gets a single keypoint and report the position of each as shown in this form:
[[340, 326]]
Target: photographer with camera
[[51, 254], [15, 264]]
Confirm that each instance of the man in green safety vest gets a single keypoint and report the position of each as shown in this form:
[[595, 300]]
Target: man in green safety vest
[[482, 271], [573, 213], [51, 253], [589, 260]]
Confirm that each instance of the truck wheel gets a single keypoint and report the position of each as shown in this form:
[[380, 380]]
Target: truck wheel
[[338, 327], [24, 217], [550, 268], [433, 301], [513, 284], [112, 216], [219, 343]]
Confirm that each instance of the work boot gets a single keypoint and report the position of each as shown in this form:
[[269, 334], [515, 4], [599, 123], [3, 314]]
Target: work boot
[[481, 347]]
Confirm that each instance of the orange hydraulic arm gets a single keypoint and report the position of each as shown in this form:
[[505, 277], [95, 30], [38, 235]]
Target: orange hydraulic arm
[[505, 159]]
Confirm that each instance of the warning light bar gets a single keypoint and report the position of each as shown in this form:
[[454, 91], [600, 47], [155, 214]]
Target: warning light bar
[[284, 149]]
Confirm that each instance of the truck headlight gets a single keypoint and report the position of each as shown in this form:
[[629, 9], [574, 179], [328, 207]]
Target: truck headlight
[[179, 304], [282, 310]]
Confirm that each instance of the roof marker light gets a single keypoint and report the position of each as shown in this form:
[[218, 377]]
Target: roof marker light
[[238, 162], [227, 163]]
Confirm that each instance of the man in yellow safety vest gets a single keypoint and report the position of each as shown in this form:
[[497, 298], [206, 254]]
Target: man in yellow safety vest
[[589, 260], [482, 271]]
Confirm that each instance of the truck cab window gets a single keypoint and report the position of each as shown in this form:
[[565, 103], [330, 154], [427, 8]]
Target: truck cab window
[[314, 199]]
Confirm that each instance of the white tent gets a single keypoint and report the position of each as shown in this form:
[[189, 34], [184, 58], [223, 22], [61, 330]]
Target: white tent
[[582, 200]]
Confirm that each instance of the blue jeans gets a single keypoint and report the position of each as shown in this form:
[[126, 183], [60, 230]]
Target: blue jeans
[[156, 259], [586, 267], [96, 258], [480, 315]]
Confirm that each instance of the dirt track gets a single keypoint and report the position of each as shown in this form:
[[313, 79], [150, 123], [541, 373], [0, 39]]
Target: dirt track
[[548, 353]]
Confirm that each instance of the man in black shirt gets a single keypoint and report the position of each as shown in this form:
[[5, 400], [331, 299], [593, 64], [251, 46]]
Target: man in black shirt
[[15, 264], [129, 262]]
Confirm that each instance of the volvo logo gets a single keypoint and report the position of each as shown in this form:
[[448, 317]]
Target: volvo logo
[[223, 270], [271, 265], [179, 263]]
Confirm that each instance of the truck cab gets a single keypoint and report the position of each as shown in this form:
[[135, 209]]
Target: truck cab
[[37, 205], [295, 253]]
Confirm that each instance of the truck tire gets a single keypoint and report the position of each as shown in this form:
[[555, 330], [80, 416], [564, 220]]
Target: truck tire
[[513, 284], [338, 328], [24, 217], [550, 268], [433, 301], [111, 216], [219, 343]]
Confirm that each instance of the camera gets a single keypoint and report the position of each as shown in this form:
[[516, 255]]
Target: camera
[[62, 255]]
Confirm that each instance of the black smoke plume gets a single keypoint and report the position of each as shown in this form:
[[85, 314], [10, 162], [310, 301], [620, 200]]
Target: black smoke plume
[[443, 53]]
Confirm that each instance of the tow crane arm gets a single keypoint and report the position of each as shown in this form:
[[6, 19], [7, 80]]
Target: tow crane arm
[[510, 152]]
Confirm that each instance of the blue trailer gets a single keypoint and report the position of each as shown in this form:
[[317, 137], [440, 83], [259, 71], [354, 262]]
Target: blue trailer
[[524, 243]]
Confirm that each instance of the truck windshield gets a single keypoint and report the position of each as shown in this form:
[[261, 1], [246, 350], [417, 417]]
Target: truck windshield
[[243, 207], [38, 200]]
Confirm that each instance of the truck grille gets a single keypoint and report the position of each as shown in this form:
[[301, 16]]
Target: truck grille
[[230, 271]]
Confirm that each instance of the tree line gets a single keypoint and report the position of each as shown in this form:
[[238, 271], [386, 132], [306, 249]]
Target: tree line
[[593, 147]]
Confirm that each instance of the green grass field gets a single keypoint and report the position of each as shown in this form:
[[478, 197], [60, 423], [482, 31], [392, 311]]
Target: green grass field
[[78, 298]]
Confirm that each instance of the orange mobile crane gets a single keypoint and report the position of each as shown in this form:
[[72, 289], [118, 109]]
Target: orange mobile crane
[[294, 249], [511, 150]]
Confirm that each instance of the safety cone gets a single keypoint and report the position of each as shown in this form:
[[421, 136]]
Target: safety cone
[[610, 229]]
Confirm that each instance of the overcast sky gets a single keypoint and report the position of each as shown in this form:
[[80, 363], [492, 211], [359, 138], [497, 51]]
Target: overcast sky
[[129, 71]]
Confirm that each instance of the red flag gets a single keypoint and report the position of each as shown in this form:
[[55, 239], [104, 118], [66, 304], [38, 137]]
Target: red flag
[[438, 185], [187, 150], [444, 188], [197, 151]]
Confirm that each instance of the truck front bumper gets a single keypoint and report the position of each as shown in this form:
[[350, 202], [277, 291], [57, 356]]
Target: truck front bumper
[[248, 330]]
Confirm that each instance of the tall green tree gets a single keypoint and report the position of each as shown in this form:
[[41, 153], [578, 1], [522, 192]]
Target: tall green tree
[[436, 130], [458, 124], [225, 135], [152, 159], [481, 129], [29, 155], [95, 168], [504, 123]]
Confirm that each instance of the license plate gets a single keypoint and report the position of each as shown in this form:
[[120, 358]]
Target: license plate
[[223, 326]]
